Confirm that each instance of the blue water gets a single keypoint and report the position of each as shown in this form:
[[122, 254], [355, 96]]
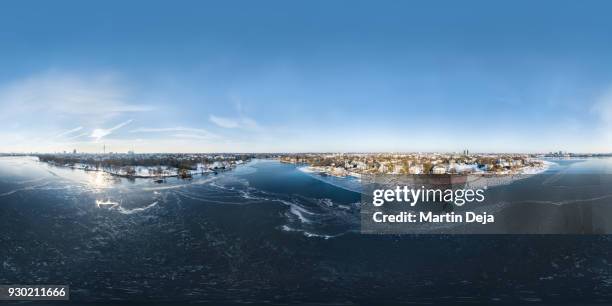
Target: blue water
[[267, 232]]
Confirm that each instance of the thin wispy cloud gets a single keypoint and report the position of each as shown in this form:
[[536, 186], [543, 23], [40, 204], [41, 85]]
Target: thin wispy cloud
[[56, 94], [181, 131], [603, 107], [233, 123], [227, 123], [169, 129], [98, 134], [78, 136], [191, 136], [68, 132]]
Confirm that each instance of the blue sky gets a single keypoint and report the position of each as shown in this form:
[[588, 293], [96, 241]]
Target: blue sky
[[288, 76]]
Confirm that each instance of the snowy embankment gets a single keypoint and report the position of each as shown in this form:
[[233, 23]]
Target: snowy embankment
[[477, 176], [148, 172]]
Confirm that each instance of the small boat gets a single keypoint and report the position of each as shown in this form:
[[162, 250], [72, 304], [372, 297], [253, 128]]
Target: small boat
[[158, 181]]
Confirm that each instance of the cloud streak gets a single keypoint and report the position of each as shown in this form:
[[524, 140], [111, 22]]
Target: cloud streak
[[78, 136], [68, 132], [66, 94], [603, 107], [98, 134], [191, 136], [233, 123], [182, 132]]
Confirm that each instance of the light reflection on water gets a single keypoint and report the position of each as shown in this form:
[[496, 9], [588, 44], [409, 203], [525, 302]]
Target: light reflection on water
[[97, 180]]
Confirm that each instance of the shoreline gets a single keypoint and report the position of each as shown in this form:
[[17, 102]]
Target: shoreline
[[473, 180], [163, 176], [525, 171]]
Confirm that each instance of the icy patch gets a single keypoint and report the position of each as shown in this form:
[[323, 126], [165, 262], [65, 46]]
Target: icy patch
[[135, 210]]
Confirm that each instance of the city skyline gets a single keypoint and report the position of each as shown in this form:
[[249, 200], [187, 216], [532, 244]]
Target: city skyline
[[306, 77]]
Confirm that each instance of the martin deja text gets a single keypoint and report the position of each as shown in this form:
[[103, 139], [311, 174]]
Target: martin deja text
[[429, 217]]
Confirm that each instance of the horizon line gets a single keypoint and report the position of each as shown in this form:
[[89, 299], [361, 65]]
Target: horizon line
[[311, 152]]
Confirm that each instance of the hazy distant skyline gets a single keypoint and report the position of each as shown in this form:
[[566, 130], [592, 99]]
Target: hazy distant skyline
[[330, 76]]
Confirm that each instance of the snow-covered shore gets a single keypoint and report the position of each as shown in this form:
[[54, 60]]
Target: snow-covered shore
[[155, 172], [478, 178], [469, 168]]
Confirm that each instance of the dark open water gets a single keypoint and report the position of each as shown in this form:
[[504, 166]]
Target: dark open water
[[266, 233]]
